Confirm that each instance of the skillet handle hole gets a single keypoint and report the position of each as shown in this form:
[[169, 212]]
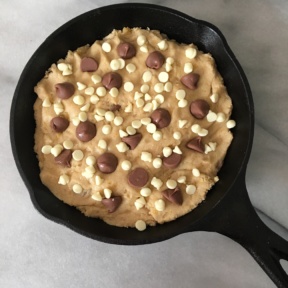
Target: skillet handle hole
[[284, 264]]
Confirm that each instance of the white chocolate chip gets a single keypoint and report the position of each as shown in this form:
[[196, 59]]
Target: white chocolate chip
[[62, 66], [141, 40], [94, 99], [170, 60], [196, 128], [203, 132], [63, 179], [122, 63], [168, 67], [136, 124], [195, 172], [68, 144], [182, 123], [146, 121], [126, 165], [147, 76], [82, 116], [144, 49], [167, 151], [114, 92], [159, 87], [106, 47], [90, 160], [115, 64], [213, 145], [180, 94], [159, 98], [118, 120], [156, 183], [157, 163], [90, 170], [163, 45], [159, 205], [96, 78], [102, 144], [46, 149], [77, 188], [106, 129], [139, 203], [163, 77], [168, 87], [130, 130], [157, 135], [190, 189], [207, 149], [67, 72], [100, 112], [144, 88], [109, 116], [148, 107], [122, 147], [98, 180], [182, 103], [145, 192], [131, 68], [107, 193], [230, 124], [171, 184], [87, 175], [140, 102], [155, 104], [77, 155], [177, 135], [137, 95], [122, 133], [128, 86], [216, 179], [220, 117], [101, 91], [147, 97], [85, 108], [177, 150], [56, 150], [80, 86], [46, 102], [98, 118], [151, 128], [214, 97], [75, 121], [58, 108], [190, 52], [181, 179], [78, 100], [188, 67], [89, 91], [146, 156], [97, 196], [211, 116], [140, 225], [128, 108]]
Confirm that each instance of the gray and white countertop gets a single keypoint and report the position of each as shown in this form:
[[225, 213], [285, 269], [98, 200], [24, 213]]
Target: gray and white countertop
[[35, 252]]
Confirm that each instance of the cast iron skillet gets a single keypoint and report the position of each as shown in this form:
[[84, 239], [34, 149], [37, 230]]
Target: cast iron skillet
[[227, 209]]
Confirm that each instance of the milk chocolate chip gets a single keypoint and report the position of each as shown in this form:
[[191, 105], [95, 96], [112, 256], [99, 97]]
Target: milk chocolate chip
[[199, 108], [173, 195], [86, 131], [59, 124], [64, 158], [126, 50], [155, 60], [132, 140], [115, 107], [112, 203], [172, 161], [64, 90], [196, 145], [107, 163], [88, 64], [111, 80], [190, 80], [161, 118], [138, 177]]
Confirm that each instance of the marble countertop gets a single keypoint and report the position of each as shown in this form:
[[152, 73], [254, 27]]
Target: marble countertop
[[36, 252]]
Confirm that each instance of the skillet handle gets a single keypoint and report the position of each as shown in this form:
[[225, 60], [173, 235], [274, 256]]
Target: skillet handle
[[239, 221]]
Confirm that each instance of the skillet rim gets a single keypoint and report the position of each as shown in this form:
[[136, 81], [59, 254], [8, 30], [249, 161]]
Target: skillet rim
[[91, 14]]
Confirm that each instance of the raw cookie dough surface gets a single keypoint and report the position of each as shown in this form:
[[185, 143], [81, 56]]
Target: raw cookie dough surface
[[82, 184]]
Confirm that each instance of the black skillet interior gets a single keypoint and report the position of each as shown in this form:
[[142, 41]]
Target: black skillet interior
[[85, 29]]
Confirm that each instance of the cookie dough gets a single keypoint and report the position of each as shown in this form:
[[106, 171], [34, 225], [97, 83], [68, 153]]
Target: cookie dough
[[132, 129]]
